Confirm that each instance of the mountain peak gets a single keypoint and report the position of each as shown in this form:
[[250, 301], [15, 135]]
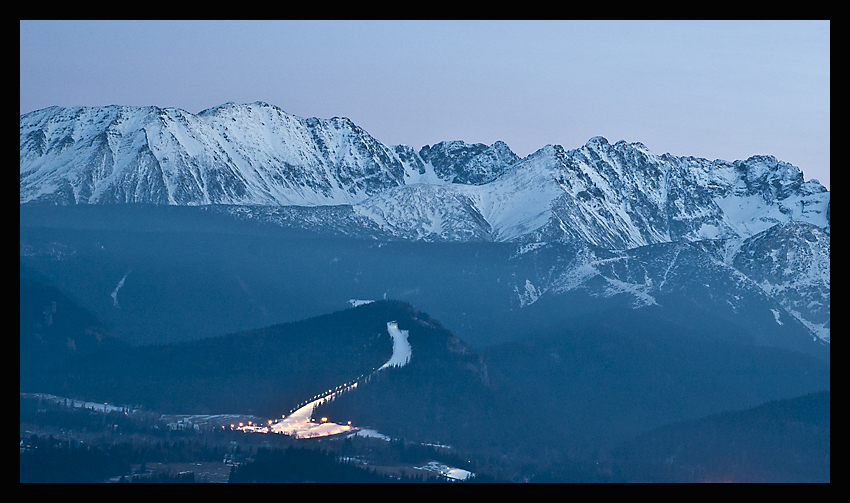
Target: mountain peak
[[597, 141], [257, 154], [470, 164]]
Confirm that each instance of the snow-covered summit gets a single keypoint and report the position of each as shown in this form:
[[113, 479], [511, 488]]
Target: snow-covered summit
[[459, 162], [617, 196], [231, 154]]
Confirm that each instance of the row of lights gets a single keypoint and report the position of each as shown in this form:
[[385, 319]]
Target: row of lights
[[250, 423], [324, 419]]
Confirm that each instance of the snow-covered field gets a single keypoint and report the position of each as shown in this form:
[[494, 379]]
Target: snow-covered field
[[452, 473], [367, 432], [300, 424]]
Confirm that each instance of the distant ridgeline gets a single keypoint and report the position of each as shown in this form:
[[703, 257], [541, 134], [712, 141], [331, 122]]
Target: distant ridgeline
[[755, 217]]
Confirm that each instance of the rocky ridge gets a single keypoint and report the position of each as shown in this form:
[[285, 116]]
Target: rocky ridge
[[756, 217]]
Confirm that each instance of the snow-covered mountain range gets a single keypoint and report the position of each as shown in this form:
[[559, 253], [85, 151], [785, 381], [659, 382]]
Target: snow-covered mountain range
[[756, 217], [616, 196]]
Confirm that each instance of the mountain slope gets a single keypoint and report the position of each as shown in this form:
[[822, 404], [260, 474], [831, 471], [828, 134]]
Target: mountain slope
[[264, 371], [228, 154], [615, 196], [327, 176], [190, 272], [607, 376], [691, 277], [791, 263], [780, 441], [53, 330]]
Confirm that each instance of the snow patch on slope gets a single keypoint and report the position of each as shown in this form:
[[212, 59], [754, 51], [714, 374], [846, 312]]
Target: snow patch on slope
[[114, 293], [401, 347]]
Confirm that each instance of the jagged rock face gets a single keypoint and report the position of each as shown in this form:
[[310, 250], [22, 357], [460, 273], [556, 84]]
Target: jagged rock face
[[616, 196], [231, 154], [424, 212], [459, 162], [779, 277], [644, 274], [622, 196], [791, 262], [613, 195]]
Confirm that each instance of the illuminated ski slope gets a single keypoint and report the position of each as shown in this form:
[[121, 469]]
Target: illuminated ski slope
[[300, 423]]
